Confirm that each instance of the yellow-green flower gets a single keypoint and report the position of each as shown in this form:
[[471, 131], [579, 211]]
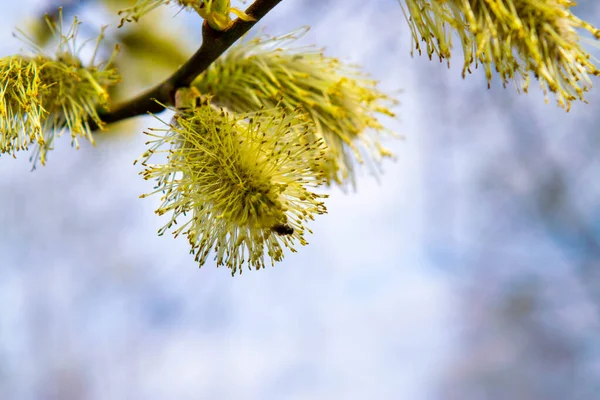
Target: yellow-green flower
[[43, 96], [514, 37], [215, 12], [244, 182], [341, 103]]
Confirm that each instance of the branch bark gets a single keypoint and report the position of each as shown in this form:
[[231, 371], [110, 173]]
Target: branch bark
[[214, 43]]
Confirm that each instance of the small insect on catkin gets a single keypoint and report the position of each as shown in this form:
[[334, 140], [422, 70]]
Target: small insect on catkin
[[283, 229]]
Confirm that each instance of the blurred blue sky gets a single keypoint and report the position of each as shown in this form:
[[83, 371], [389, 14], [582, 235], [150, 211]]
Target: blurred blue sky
[[94, 305]]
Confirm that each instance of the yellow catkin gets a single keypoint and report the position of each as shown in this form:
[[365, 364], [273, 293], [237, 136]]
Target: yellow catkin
[[515, 38], [43, 96], [342, 105], [242, 182]]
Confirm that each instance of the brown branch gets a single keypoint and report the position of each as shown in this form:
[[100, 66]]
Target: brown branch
[[214, 43]]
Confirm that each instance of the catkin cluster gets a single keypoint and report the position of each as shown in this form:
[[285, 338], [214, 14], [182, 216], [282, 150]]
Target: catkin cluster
[[252, 140]]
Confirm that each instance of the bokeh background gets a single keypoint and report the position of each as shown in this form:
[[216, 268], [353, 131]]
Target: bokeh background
[[468, 271]]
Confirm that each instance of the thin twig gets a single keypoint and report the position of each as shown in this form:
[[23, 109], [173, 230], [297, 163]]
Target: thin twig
[[214, 43]]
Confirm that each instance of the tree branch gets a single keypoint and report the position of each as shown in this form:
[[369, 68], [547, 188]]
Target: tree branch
[[214, 43]]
